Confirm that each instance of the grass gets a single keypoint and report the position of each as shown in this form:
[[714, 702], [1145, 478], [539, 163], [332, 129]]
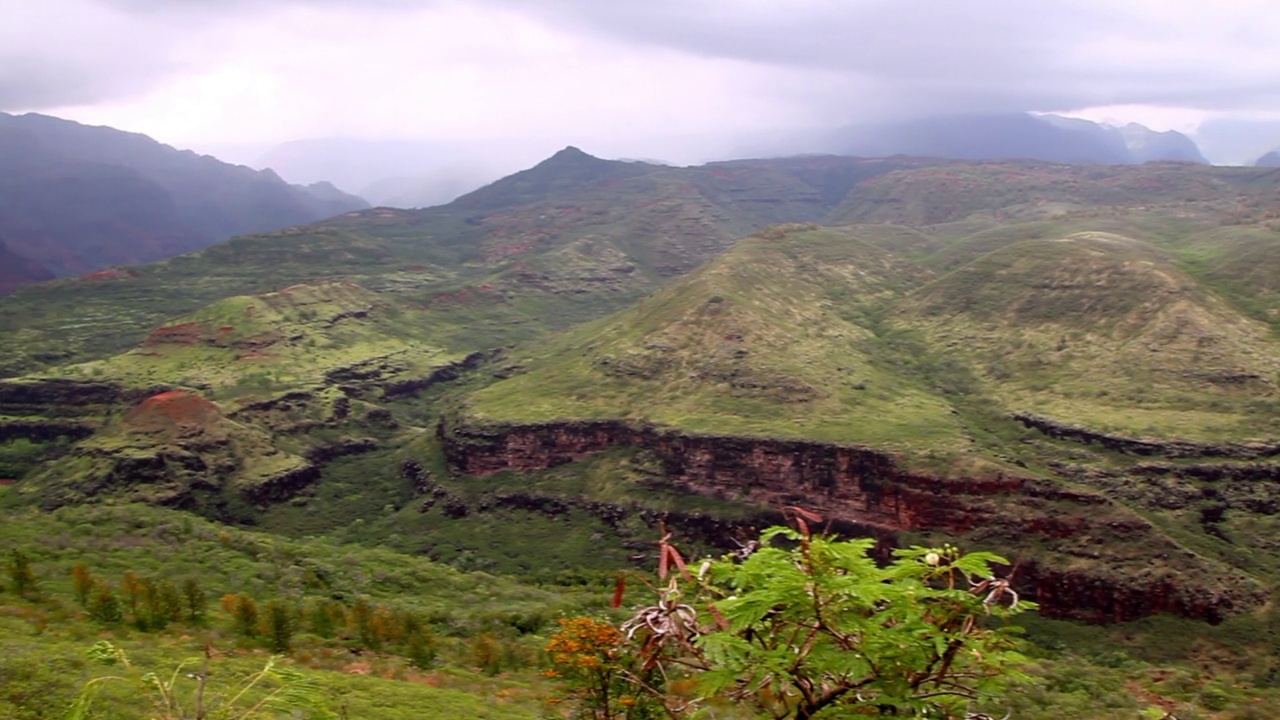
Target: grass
[[44, 640], [976, 291], [1104, 331], [1120, 671], [768, 341]]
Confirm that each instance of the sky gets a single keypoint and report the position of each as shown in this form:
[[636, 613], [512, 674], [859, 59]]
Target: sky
[[682, 80]]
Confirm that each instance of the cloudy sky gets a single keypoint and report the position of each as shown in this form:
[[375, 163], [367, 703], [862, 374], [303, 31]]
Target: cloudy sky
[[624, 77]]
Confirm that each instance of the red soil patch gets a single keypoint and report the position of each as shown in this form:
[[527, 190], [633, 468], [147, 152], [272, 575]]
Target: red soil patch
[[455, 297], [184, 334], [5, 482], [226, 329], [173, 410], [504, 251], [110, 274]]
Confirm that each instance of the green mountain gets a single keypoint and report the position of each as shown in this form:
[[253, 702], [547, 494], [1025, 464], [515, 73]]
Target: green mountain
[[1075, 366], [566, 241], [1024, 355]]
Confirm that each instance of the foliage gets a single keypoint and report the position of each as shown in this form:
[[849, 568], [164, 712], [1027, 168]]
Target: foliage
[[188, 694], [594, 667], [22, 577], [805, 626]]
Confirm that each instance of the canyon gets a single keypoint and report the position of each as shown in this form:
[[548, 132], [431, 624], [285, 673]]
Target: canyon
[[1049, 528]]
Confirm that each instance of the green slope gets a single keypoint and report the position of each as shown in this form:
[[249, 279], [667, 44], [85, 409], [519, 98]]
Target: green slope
[[1105, 331], [570, 239], [780, 337]]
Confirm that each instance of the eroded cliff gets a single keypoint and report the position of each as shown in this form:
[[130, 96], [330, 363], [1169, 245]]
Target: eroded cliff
[[1076, 552]]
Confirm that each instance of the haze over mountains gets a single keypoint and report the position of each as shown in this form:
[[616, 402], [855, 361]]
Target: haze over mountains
[[406, 173], [75, 199], [136, 200]]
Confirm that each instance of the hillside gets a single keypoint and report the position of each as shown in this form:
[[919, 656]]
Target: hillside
[[1105, 331], [75, 199], [583, 237], [965, 342], [16, 271], [1074, 366], [809, 365]]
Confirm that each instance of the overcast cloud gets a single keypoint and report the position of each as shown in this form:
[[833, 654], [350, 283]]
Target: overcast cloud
[[634, 78]]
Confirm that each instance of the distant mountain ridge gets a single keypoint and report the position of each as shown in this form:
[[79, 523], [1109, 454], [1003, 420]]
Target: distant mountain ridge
[[427, 173], [74, 199], [1053, 138], [1271, 159]]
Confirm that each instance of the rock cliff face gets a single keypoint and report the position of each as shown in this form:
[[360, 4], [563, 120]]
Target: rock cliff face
[[866, 489], [1149, 448]]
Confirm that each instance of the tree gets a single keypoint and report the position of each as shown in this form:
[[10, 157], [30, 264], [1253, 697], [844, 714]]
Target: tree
[[194, 598], [280, 625], [589, 658], [22, 577], [809, 626], [82, 583], [103, 606], [244, 615]]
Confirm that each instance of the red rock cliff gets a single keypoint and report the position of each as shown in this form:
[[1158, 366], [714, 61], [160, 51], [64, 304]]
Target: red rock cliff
[[1087, 557]]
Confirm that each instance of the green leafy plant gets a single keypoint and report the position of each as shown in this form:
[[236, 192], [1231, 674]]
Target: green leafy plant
[[803, 626]]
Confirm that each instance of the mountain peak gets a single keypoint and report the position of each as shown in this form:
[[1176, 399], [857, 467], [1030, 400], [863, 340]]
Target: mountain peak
[[573, 157], [571, 152], [567, 170]]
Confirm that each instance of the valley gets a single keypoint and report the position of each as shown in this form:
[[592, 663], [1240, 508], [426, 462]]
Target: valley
[[1074, 366]]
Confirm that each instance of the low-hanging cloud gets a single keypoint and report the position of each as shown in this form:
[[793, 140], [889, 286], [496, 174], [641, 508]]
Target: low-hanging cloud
[[815, 61]]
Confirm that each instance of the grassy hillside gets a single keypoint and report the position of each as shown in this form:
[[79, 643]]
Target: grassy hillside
[[570, 239], [777, 338], [1102, 330], [1077, 366], [830, 335], [483, 633], [577, 237]]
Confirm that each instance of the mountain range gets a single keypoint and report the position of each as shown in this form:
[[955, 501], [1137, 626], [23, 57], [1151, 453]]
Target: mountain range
[[76, 199], [425, 173], [1075, 365], [1018, 136]]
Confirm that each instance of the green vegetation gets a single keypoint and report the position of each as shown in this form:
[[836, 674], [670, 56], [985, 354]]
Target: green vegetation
[[1076, 367], [768, 340], [815, 630]]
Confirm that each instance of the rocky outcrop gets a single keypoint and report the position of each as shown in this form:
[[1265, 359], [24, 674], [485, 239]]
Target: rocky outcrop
[[60, 392], [857, 484], [43, 430], [284, 485], [328, 452], [869, 493], [1144, 447], [442, 374], [1092, 597]]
